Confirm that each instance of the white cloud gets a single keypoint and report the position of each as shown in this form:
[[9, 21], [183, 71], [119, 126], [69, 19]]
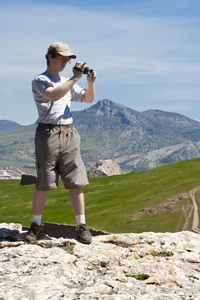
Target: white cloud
[[140, 46], [181, 94]]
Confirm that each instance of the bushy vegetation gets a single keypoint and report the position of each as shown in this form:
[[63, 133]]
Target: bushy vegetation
[[111, 201]]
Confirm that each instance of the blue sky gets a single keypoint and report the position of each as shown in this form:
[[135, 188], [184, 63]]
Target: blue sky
[[146, 52]]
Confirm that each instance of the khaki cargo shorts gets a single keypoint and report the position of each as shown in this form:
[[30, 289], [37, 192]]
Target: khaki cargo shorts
[[57, 150]]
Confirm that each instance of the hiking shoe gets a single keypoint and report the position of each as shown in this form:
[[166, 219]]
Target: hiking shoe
[[83, 234], [35, 232]]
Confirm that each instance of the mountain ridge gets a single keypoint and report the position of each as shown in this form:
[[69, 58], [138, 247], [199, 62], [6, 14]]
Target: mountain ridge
[[6, 124], [110, 130]]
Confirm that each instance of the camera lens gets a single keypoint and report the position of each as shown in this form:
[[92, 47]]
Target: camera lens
[[86, 70]]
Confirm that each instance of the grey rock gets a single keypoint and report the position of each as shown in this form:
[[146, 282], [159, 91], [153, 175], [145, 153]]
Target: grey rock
[[158, 266], [104, 168]]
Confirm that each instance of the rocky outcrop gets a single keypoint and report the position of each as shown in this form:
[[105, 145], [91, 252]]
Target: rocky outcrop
[[104, 168], [160, 266]]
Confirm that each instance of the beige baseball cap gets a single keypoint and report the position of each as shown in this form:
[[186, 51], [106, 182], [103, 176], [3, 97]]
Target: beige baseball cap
[[63, 49]]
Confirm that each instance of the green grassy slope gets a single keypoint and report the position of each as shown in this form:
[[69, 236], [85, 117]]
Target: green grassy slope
[[112, 201]]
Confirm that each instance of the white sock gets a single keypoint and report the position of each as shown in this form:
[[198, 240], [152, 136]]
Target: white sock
[[37, 219], [80, 219]]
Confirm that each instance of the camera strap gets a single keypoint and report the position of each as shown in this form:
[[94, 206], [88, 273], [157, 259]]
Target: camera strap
[[78, 69]]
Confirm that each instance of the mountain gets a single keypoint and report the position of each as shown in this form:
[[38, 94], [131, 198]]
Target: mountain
[[135, 140], [113, 131], [5, 124]]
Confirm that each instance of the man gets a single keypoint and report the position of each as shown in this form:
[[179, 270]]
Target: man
[[57, 142]]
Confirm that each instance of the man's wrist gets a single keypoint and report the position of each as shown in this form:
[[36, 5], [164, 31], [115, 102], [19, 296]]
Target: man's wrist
[[90, 83], [75, 78]]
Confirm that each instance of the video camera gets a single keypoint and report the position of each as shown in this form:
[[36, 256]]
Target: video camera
[[86, 70]]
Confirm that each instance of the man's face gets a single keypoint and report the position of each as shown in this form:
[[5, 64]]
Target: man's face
[[59, 62]]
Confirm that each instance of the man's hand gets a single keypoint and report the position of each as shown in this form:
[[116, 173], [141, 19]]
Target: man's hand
[[77, 73], [91, 77]]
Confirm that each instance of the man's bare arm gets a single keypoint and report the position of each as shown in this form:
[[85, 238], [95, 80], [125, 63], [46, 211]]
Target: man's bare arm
[[54, 94], [89, 94]]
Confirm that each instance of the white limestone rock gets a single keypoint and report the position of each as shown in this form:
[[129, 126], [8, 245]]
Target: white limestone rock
[[104, 168], [167, 264]]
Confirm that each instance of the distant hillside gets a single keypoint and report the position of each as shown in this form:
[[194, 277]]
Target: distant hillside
[[113, 131], [135, 140], [5, 124], [17, 148]]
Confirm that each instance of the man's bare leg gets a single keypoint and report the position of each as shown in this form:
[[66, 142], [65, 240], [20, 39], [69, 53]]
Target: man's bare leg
[[77, 199], [78, 204], [38, 202]]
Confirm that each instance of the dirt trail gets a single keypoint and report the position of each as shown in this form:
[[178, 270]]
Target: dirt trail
[[195, 224], [191, 211]]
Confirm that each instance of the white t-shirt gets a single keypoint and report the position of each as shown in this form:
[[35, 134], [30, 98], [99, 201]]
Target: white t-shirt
[[54, 112]]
